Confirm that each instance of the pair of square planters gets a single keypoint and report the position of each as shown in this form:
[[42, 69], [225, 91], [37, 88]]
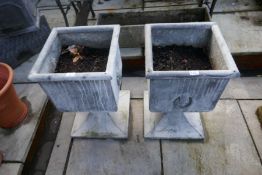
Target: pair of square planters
[[103, 110]]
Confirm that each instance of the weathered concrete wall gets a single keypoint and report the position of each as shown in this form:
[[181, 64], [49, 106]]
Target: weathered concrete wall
[[132, 23], [140, 18]]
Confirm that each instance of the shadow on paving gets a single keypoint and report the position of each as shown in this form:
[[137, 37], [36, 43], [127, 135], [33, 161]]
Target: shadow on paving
[[42, 146]]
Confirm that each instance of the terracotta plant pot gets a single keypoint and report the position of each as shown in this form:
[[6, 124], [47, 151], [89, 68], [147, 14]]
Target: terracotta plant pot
[[12, 109], [1, 158]]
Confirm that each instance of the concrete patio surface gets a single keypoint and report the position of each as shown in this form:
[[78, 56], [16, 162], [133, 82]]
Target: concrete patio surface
[[232, 146], [233, 143], [16, 143]]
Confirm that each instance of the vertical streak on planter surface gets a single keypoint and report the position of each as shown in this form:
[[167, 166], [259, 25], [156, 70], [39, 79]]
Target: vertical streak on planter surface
[[173, 92], [88, 91]]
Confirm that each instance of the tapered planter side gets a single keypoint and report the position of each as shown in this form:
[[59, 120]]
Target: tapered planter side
[[174, 92], [80, 92], [94, 95]]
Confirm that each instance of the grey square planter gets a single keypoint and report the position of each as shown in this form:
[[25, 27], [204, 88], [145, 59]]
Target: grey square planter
[[93, 92], [80, 92], [171, 93]]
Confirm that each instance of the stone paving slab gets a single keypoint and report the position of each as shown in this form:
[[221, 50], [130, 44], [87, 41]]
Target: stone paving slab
[[58, 157], [131, 53], [244, 88], [136, 85], [131, 157], [228, 148], [55, 18], [237, 5], [242, 31], [249, 108], [91, 22], [50, 3], [15, 143], [11, 169], [21, 72]]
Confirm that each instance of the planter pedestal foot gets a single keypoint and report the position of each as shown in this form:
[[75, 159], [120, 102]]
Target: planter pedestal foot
[[104, 124], [171, 125]]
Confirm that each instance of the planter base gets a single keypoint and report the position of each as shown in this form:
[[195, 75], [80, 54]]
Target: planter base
[[173, 125], [104, 124]]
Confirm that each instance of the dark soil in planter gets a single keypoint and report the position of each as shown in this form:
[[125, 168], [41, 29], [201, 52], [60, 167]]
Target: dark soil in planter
[[175, 57], [82, 59]]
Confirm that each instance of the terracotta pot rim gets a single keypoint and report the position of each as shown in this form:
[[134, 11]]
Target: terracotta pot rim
[[9, 80]]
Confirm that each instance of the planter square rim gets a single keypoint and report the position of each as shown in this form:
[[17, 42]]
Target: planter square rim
[[231, 71], [36, 75]]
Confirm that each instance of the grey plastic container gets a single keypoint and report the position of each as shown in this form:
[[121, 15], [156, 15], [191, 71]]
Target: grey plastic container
[[17, 49], [132, 23], [18, 16], [192, 91], [80, 92]]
